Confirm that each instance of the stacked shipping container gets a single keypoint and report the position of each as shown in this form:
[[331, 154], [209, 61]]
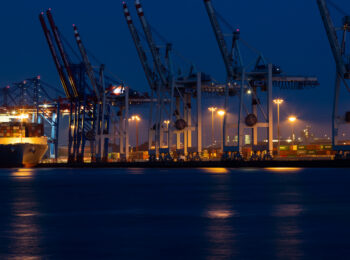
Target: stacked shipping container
[[17, 130]]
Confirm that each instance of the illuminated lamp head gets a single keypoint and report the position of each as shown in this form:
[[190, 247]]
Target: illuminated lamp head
[[118, 90]]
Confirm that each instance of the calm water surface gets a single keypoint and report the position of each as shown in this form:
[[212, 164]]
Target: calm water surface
[[175, 214]]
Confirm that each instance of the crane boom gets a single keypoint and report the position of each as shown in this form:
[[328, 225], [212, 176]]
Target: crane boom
[[155, 54], [62, 52], [220, 38], [54, 56], [332, 36], [87, 63], [139, 47]]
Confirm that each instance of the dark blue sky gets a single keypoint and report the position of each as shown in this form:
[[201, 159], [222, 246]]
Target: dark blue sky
[[289, 33]]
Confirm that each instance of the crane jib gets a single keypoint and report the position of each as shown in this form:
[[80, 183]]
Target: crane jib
[[54, 56]]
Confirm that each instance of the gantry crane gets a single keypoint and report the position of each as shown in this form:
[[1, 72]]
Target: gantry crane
[[89, 110], [342, 61], [103, 109], [169, 92], [68, 82], [249, 84]]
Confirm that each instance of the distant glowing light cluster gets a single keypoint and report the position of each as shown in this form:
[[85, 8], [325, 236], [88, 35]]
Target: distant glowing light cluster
[[14, 115], [135, 118], [278, 101], [212, 109]]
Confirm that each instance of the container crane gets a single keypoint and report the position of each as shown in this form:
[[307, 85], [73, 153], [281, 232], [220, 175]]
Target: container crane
[[162, 85], [253, 84], [92, 96], [100, 95], [151, 79], [238, 72], [82, 121], [71, 94], [167, 91], [342, 61]]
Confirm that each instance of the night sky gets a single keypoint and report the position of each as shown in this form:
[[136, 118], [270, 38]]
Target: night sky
[[289, 33]]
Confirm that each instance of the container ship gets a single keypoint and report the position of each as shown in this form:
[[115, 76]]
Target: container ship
[[22, 144]]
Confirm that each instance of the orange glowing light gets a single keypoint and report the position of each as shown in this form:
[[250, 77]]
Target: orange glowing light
[[283, 169], [212, 109], [221, 112], [23, 173], [167, 122], [118, 90], [278, 101], [223, 214], [216, 170], [135, 118], [292, 119]]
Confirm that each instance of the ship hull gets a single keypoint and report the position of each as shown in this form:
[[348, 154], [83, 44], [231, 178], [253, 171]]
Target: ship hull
[[21, 154]]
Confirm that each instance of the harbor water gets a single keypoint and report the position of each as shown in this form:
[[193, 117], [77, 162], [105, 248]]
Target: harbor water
[[208, 213]]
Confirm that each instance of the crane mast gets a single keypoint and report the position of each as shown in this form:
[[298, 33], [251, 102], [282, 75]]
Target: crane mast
[[139, 47], [220, 39], [332, 36], [154, 50], [87, 63], [54, 56], [62, 52]]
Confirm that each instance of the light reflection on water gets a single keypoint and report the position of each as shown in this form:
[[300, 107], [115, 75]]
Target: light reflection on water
[[24, 230], [287, 210], [283, 169], [220, 231], [288, 232], [221, 214], [221, 238], [23, 173], [136, 171], [216, 170], [287, 222]]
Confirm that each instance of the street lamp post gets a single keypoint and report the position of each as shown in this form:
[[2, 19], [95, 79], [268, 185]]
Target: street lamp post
[[292, 119], [221, 113], [137, 119], [278, 102], [212, 110], [167, 122]]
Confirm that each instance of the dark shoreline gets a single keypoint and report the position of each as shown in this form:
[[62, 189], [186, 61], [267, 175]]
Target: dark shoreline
[[204, 164]]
